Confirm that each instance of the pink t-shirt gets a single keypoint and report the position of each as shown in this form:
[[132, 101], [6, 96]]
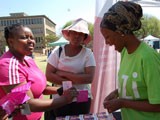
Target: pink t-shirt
[[15, 72]]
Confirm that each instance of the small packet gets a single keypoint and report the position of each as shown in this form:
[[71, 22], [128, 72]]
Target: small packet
[[26, 109], [9, 101], [82, 96], [66, 85], [8, 106]]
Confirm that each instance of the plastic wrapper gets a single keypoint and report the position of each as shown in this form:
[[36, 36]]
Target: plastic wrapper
[[98, 116], [16, 97]]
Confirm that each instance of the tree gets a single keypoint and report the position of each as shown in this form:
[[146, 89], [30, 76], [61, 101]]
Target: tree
[[51, 38], [150, 26], [2, 43], [67, 24]]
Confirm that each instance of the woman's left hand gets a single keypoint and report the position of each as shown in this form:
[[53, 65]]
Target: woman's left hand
[[112, 105]]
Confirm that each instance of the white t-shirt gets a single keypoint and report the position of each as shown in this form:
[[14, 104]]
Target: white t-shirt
[[75, 64]]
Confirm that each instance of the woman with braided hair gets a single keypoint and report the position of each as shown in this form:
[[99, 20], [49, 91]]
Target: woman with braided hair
[[139, 74]]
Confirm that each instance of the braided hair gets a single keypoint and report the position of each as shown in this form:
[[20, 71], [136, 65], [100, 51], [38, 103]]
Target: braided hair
[[123, 17], [9, 31]]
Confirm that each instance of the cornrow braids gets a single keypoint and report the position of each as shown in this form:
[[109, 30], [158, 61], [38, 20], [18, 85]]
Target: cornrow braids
[[9, 31]]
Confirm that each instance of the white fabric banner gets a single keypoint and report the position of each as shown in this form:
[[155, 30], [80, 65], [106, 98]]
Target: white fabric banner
[[147, 3], [107, 60]]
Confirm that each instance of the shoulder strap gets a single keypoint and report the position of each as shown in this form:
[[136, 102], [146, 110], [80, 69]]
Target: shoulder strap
[[59, 54], [60, 50]]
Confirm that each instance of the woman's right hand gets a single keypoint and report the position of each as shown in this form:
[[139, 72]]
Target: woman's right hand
[[70, 94]]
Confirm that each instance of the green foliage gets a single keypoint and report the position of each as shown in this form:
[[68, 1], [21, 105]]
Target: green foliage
[[150, 26], [51, 38], [2, 43], [67, 24], [91, 28]]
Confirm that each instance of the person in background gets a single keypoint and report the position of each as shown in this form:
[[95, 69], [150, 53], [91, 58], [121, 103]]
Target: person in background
[[76, 63], [139, 75], [17, 69]]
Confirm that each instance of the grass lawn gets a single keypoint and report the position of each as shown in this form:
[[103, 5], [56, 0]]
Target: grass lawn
[[41, 62]]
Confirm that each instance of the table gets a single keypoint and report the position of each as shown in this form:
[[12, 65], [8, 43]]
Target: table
[[97, 116]]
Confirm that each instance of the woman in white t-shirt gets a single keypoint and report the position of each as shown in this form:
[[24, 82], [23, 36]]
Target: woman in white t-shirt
[[75, 63]]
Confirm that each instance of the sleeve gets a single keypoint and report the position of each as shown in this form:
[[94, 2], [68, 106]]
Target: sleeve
[[54, 58], [12, 73], [151, 69], [90, 60]]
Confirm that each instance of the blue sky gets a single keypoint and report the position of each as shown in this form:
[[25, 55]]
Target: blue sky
[[59, 11]]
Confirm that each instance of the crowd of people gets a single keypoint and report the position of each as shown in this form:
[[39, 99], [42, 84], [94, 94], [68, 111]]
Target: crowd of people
[[137, 95]]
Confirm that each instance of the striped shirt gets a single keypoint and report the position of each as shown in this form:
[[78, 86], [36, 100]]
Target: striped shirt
[[12, 72]]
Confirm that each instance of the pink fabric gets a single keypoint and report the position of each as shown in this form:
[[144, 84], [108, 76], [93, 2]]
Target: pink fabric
[[9, 101], [106, 62], [15, 72], [24, 88], [13, 99]]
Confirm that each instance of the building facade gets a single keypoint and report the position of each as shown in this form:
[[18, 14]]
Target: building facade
[[40, 25]]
